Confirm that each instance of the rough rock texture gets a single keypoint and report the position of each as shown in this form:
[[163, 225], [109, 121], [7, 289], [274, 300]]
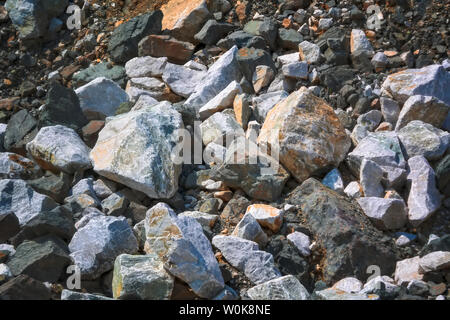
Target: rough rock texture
[[332, 217], [17, 197], [284, 288], [60, 148], [307, 133], [124, 154], [123, 44], [179, 242], [140, 278], [244, 255], [431, 80], [95, 246]]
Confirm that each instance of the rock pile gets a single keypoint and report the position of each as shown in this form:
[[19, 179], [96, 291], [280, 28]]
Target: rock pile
[[224, 150]]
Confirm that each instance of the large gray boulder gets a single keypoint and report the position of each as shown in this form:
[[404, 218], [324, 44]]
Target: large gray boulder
[[95, 246], [424, 197], [135, 149], [432, 80], [60, 148], [18, 197], [219, 76], [179, 242], [244, 255], [284, 288], [101, 96]]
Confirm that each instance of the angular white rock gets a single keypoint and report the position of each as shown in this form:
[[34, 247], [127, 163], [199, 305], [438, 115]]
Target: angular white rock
[[384, 213], [222, 101], [283, 288]]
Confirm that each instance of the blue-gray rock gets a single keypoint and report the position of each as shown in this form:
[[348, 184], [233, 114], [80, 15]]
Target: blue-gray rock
[[17, 197], [135, 149], [219, 76], [424, 197], [29, 17], [179, 242], [95, 246], [14, 166], [103, 69], [73, 295], [432, 80], [283, 288], [60, 148], [101, 96], [258, 266], [43, 259], [422, 139]]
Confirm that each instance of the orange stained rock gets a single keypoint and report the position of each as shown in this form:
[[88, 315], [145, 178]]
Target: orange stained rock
[[176, 9]]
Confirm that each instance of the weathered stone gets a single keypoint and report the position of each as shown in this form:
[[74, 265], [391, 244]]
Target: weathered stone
[[115, 205], [422, 139], [205, 219], [248, 228], [29, 17], [185, 18], [244, 255], [349, 285], [431, 80], [58, 222], [309, 52], [249, 58], [371, 176], [298, 118], [123, 44], [101, 96], [354, 190], [24, 287], [370, 119], [435, 261], [289, 38], [334, 181], [222, 101], [219, 127], [242, 110], [301, 242], [425, 108], [295, 70], [182, 80], [5, 273], [331, 216], [145, 67], [265, 102], [17, 197], [14, 166], [383, 286], [21, 129], [267, 216], [262, 77], [390, 110], [424, 198], [251, 169], [219, 76], [54, 186], [212, 31], [140, 278], [59, 148], [103, 69], [184, 249], [283, 288], [407, 270], [265, 28], [242, 39], [176, 51], [128, 157], [379, 62], [359, 41], [43, 259], [95, 246], [72, 295], [60, 102], [443, 175], [9, 226], [384, 149], [336, 294], [386, 214]]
